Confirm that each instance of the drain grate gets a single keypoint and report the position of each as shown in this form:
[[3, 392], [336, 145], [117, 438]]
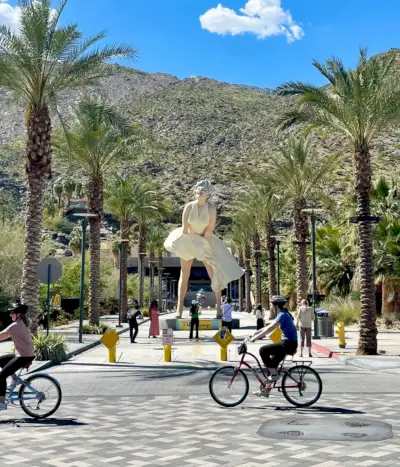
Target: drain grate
[[320, 429]]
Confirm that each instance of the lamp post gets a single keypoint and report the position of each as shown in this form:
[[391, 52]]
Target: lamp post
[[312, 211], [84, 216], [278, 239], [122, 241]]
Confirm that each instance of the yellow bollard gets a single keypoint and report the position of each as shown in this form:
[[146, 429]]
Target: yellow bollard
[[167, 353], [341, 335], [112, 354], [224, 354]]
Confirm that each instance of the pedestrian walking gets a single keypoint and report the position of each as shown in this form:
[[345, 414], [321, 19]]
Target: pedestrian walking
[[133, 314], [260, 317], [305, 316], [154, 313], [227, 309], [194, 319]]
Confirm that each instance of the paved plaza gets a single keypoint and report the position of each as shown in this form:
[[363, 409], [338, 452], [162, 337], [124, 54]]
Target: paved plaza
[[143, 412]]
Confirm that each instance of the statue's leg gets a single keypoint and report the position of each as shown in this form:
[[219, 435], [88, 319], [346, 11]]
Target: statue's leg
[[218, 293], [183, 284]]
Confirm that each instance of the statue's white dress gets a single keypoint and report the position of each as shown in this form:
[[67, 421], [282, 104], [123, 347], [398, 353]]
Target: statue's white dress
[[193, 246]]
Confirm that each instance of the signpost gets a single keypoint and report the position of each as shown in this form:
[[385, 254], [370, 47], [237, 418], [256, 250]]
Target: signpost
[[224, 338], [110, 339], [48, 271]]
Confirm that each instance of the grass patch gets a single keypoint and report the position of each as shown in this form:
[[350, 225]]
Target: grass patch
[[344, 310]]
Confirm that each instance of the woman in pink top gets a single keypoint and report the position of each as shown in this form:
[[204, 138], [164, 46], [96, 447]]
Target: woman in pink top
[[19, 332], [154, 321]]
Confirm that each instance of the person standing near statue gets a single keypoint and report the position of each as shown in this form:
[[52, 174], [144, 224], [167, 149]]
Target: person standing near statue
[[227, 309], [194, 319], [196, 240]]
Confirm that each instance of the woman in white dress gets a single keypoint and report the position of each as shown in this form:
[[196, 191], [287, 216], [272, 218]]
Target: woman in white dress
[[195, 240]]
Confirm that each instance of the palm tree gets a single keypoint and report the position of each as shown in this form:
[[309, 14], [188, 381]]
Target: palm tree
[[267, 204], [357, 104], [37, 62], [155, 246], [96, 143], [302, 173], [120, 200], [151, 208], [69, 188], [243, 229]]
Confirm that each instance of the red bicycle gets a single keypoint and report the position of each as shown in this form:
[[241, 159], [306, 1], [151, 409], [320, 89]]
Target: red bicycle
[[300, 384]]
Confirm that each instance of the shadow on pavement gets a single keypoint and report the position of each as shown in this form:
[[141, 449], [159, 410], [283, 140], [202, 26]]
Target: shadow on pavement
[[46, 422], [327, 410]]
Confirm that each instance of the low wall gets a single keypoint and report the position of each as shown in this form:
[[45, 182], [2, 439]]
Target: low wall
[[204, 324]]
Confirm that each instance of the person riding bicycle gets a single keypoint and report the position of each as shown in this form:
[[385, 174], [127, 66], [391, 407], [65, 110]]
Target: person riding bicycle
[[273, 354], [21, 336]]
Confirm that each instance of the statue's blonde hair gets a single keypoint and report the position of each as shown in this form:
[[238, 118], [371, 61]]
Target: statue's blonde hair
[[205, 184]]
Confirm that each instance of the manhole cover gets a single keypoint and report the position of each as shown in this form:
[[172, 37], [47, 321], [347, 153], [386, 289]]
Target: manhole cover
[[333, 429]]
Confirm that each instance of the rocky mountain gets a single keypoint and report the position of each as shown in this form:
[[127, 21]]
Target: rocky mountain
[[206, 127]]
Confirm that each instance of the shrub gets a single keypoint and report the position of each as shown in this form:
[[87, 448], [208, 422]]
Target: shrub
[[93, 329], [52, 347], [343, 310], [57, 223]]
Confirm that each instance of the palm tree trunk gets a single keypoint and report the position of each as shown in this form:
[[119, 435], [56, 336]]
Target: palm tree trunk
[[247, 254], [152, 259], [141, 258], [124, 271], [95, 206], [272, 283], [367, 344], [257, 265], [240, 288], [38, 166], [390, 295], [160, 272], [301, 235]]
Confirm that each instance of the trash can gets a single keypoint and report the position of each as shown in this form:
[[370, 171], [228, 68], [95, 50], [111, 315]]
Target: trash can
[[325, 324]]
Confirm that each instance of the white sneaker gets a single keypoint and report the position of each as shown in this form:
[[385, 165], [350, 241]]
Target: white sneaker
[[3, 406], [273, 378], [262, 392]]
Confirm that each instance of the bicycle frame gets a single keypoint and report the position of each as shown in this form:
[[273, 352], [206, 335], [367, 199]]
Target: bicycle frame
[[12, 396], [265, 382]]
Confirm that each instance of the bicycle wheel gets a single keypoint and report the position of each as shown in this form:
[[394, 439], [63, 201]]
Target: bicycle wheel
[[301, 386], [227, 388], [44, 400]]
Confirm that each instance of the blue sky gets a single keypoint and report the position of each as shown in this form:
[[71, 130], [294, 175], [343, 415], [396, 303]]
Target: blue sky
[[282, 37]]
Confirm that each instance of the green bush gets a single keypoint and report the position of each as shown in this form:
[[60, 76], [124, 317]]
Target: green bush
[[343, 310], [52, 347], [93, 329], [61, 319], [57, 223]]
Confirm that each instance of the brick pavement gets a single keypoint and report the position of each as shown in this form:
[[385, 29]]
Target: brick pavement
[[191, 431]]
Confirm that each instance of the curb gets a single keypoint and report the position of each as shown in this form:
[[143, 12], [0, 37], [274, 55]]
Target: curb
[[328, 352], [84, 348]]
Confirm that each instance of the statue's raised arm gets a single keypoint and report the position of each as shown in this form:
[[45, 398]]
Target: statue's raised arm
[[196, 240]]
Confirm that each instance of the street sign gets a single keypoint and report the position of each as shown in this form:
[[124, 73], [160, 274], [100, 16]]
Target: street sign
[[110, 339], [223, 338], [167, 336], [48, 271]]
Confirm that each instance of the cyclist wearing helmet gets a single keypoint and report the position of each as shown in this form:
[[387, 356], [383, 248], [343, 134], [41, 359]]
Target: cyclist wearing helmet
[[273, 354], [19, 332]]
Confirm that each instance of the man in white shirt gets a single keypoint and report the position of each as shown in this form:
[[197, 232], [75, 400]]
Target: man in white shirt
[[305, 317], [227, 309]]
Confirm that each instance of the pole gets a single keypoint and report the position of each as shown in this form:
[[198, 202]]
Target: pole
[[48, 297], [314, 275], [82, 291], [120, 286], [279, 267]]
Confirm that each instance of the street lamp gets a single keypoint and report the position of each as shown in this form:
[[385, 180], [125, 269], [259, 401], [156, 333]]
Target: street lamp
[[278, 239], [312, 211], [84, 216], [121, 242]]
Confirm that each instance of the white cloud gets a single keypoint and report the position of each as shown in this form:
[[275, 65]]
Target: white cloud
[[263, 18], [9, 15]]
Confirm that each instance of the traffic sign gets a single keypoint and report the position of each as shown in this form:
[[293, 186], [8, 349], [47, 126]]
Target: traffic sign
[[110, 338], [48, 271], [223, 338], [276, 336]]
